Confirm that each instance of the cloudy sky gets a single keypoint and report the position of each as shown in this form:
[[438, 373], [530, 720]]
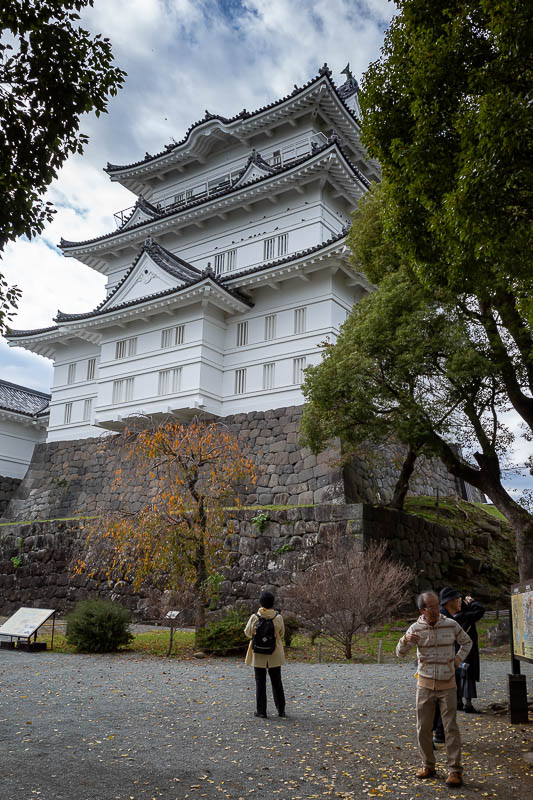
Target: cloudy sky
[[182, 57]]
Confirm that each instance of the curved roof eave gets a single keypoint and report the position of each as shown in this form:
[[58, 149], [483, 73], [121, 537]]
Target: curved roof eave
[[332, 144], [226, 124]]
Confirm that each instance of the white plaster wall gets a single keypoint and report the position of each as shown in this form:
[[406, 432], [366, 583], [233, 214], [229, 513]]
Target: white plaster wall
[[17, 440]]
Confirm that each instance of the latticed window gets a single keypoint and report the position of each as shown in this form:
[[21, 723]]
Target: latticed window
[[91, 369], [240, 381], [122, 390], [270, 326], [269, 248], [87, 409], [172, 336], [231, 260], [283, 244], [298, 366], [169, 381], [242, 334], [269, 371], [126, 347], [71, 375], [220, 262], [67, 415], [299, 320]]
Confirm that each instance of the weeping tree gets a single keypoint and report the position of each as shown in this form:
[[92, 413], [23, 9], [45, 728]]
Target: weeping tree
[[176, 540]]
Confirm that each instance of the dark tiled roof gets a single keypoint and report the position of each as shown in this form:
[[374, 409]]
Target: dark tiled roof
[[206, 274], [333, 141], [22, 400], [242, 115], [13, 332], [171, 263], [292, 257]]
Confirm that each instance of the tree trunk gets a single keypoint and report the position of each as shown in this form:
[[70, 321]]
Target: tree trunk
[[348, 648], [199, 590], [402, 484], [487, 480]]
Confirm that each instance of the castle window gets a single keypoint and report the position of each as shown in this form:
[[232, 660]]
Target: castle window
[[126, 347], [270, 326], [299, 320], [240, 381], [276, 158], [276, 247], [87, 409], [231, 260], [67, 415], [169, 381], [122, 390], [269, 375], [172, 336], [91, 369], [283, 244], [298, 366], [220, 261], [269, 248], [242, 334], [71, 376], [224, 262]]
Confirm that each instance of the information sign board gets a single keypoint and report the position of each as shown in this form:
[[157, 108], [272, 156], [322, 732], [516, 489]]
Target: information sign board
[[522, 614], [25, 622]]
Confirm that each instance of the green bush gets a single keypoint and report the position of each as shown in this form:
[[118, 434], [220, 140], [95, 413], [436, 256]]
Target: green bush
[[98, 626], [292, 625], [225, 636]]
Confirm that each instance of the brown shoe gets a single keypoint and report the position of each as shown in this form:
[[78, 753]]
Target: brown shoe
[[426, 772], [454, 779]]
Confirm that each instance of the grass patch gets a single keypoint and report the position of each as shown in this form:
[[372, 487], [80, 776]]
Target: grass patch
[[53, 519], [365, 651]]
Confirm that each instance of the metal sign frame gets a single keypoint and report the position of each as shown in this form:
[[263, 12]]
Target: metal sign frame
[[520, 589], [18, 626]]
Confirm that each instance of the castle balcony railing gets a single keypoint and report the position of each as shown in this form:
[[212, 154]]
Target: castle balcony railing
[[281, 157]]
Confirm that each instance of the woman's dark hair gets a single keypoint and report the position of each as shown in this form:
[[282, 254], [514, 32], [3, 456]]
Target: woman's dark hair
[[266, 599]]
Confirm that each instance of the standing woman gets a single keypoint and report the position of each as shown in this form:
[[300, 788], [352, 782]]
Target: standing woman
[[266, 628]]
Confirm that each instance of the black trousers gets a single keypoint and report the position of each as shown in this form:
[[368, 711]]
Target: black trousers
[[277, 689]]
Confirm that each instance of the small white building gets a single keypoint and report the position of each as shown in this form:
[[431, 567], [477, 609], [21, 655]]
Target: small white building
[[23, 423], [224, 276]]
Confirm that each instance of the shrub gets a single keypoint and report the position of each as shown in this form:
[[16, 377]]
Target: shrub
[[98, 626], [225, 636], [292, 625]]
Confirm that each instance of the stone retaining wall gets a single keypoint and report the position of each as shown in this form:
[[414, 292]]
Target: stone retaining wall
[[79, 477], [290, 543], [8, 487]]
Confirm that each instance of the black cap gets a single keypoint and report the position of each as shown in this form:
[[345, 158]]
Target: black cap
[[448, 594]]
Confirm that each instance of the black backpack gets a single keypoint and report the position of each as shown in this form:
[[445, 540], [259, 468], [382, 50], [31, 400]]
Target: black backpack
[[264, 639]]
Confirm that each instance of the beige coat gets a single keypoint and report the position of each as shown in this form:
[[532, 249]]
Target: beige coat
[[277, 658]]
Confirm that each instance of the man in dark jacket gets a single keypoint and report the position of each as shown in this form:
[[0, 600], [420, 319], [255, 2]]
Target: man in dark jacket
[[466, 611]]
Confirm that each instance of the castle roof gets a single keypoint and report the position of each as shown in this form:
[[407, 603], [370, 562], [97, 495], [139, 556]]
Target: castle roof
[[239, 192], [221, 289], [238, 125], [22, 400]]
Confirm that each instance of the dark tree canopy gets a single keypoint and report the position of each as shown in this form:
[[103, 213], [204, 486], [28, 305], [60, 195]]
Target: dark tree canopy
[[51, 72]]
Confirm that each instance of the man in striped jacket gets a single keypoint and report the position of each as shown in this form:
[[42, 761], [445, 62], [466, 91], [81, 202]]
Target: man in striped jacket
[[435, 636]]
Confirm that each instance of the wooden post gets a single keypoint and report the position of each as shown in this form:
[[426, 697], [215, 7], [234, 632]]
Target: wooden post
[[319, 647], [380, 651]]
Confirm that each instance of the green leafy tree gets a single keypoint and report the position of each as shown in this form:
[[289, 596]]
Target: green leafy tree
[[414, 363], [447, 110], [51, 72]]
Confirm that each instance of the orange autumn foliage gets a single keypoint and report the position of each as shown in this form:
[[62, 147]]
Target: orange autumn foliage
[[175, 541]]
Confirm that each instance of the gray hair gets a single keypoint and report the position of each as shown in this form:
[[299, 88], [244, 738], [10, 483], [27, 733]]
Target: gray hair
[[422, 599]]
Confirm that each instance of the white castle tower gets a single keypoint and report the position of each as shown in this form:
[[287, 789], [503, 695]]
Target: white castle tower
[[224, 276]]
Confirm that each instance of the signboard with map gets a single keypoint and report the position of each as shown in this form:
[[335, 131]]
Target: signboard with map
[[25, 622], [522, 612]]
